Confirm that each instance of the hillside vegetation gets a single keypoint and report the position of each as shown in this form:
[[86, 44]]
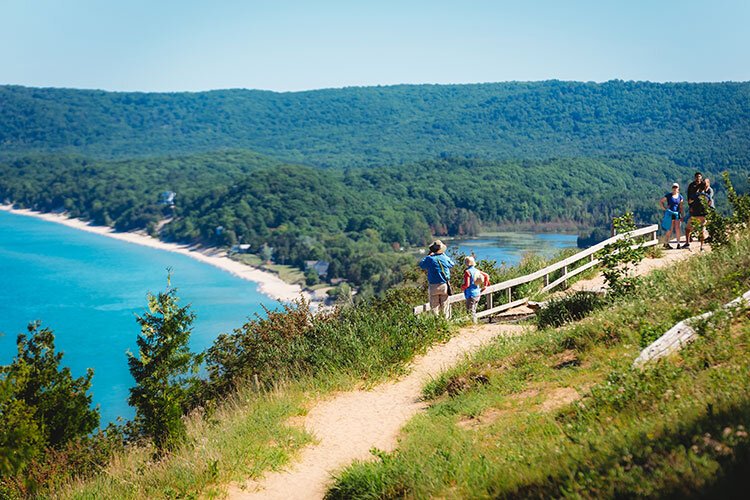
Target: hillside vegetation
[[704, 124], [563, 413]]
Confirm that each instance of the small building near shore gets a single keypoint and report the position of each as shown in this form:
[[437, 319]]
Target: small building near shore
[[244, 248], [320, 267]]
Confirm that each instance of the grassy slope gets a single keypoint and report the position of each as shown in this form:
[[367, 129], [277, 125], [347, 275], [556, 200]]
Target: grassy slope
[[250, 432], [562, 413]]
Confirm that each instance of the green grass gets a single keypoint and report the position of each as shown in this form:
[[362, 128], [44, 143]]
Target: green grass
[[297, 358], [289, 274], [561, 412], [245, 437]]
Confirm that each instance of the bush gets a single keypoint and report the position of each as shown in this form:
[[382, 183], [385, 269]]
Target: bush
[[43, 409], [368, 339], [618, 258], [573, 307], [721, 227]]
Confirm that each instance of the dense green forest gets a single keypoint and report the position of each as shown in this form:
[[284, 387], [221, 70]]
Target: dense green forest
[[705, 124], [353, 218]]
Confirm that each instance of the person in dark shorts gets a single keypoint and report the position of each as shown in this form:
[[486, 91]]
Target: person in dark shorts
[[672, 203], [696, 207]]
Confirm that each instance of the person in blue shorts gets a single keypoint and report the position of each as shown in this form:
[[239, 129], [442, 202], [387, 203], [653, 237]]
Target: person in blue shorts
[[672, 203]]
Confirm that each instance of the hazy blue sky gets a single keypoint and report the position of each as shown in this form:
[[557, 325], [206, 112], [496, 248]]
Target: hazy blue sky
[[161, 45]]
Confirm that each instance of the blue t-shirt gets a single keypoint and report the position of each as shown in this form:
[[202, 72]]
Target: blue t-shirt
[[673, 203], [473, 290], [433, 264]]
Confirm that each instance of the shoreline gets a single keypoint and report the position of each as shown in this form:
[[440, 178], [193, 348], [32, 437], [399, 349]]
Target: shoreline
[[268, 283]]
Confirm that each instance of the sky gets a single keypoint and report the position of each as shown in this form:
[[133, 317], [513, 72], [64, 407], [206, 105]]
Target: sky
[[285, 45]]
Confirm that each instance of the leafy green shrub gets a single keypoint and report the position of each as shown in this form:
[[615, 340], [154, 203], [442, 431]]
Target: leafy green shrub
[[721, 227], [164, 359], [573, 307], [367, 339], [81, 457], [618, 258]]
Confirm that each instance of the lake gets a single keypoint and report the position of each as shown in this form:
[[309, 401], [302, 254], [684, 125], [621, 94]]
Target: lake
[[88, 289], [509, 247]]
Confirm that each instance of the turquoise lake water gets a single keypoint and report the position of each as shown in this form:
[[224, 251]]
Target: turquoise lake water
[[88, 289]]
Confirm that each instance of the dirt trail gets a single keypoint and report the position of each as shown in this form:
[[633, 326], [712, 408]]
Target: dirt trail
[[349, 424], [669, 257]]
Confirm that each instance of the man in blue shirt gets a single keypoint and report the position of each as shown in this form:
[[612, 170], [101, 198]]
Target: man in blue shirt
[[438, 267]]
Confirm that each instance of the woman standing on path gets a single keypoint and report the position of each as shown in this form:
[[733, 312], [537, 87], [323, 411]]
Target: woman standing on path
[[672, 204], [438, 267]]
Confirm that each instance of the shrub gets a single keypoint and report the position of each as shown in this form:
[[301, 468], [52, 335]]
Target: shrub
[[573, 307], [721, 227], [368, 339], [619, 257], [42, 409]]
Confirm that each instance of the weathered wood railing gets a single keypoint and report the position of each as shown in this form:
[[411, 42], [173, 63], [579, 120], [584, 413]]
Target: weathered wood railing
[[506, 287]]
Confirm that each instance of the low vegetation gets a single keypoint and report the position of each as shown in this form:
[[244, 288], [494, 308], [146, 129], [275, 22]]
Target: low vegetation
[[46, 419], [258, 377], [569, 398]]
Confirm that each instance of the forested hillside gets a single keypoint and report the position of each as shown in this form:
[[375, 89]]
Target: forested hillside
[[353, 218], [703, 124]]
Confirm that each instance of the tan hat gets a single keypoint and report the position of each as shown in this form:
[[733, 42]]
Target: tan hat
[[437, 247]]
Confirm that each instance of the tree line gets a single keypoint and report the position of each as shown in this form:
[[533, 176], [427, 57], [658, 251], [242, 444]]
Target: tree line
[[705, 124]]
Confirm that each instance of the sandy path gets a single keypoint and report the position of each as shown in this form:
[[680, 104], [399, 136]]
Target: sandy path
[[349, 424], [596, 284], [268, 283]]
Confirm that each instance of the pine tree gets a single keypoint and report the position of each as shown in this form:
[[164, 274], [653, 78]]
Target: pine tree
[[163, 370]]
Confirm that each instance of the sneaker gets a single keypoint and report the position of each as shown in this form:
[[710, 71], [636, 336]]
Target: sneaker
[[667, 246], [686, 245]]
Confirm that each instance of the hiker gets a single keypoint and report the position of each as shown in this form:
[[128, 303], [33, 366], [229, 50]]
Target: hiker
[[672, 205], [474, 281], [438, 267], [696, 208]]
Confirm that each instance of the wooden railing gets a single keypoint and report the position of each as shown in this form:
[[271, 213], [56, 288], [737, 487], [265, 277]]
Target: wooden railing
[[506, 287]]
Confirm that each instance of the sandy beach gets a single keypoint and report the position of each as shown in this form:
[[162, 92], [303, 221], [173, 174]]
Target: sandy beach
[[268, 283]]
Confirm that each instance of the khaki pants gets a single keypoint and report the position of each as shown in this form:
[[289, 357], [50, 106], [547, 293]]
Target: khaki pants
[[471, 308], [438, 297]]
